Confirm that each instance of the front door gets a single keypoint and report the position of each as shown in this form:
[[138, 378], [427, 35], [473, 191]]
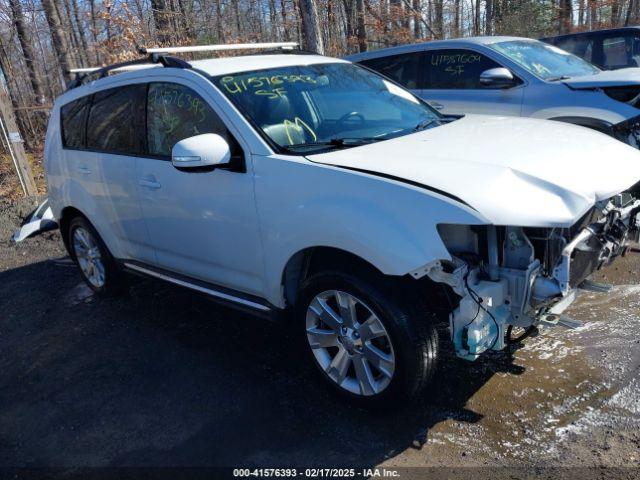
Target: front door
[[451, 84], [201, 223]]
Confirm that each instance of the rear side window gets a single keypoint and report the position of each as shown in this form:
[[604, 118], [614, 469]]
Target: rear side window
[[400, 68], [73, 116], [175, 112], [116, 120], [620, 52], [459, 69]]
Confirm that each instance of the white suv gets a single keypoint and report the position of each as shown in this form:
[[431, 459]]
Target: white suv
[[305, 184]]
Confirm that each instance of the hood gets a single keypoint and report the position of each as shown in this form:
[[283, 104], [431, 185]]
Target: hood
[[512, 171], [606, 78]]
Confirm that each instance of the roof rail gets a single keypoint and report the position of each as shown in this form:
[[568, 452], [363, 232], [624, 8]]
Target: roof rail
[[159, 56], [82, 74], [221, 47]]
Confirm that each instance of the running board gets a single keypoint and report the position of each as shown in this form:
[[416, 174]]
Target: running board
[[592, 286], [215, 292]]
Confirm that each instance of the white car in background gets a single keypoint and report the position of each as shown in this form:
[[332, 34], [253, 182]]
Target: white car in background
[[516, 77], [305, 184]]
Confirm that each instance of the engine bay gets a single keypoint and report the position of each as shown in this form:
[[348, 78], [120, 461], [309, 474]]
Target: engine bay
[[509, 277]]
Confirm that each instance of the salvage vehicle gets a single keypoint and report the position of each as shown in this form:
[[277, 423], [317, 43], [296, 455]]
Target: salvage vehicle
[[310, 190], [609, 49], [517, 77]]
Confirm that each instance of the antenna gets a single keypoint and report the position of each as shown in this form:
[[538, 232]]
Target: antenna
[[222, 47]]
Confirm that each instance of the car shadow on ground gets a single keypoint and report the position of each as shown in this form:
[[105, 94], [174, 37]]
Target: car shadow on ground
[[163, 377]]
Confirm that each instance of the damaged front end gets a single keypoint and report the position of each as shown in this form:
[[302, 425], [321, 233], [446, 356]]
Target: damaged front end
[[509, 276]]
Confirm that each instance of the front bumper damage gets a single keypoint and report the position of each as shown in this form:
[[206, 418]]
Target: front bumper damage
[[528, 276]]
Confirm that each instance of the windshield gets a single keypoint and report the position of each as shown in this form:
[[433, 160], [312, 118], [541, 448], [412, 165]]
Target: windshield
[[309, 108], [545, 61]]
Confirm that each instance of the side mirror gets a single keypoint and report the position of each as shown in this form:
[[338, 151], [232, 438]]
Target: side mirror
[[497, 78], [202, 151]]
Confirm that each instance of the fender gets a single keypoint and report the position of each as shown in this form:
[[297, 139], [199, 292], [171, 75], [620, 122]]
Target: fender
[[388, 223], [607, 111]]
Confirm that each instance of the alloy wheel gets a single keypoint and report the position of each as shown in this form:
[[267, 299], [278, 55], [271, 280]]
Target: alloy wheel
[[89, 258], [350, 343]]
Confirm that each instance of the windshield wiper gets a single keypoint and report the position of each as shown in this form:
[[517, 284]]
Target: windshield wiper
[[559, 77], [338, 143], [423, 125]]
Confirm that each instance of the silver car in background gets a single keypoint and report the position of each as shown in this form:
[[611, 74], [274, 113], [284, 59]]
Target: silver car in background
[[515, 76]]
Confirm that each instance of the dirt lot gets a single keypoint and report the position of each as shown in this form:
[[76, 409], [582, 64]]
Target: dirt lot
[[165, 378]]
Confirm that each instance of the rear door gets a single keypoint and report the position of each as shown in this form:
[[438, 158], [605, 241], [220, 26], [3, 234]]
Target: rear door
[[202, 224], [102, 161], [451, 83], [404, 68]]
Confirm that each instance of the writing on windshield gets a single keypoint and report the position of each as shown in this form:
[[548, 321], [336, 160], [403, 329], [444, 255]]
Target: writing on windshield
[[325, 105]]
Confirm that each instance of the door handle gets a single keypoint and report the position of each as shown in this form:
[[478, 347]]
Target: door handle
[[149, 184], [436, 105], [84, 170]]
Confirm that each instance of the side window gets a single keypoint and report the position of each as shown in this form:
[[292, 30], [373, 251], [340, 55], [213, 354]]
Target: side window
[[175, 112], [73, 117], [403, 68], [459, 69], [116, 120], [617, 52], [579, 46]]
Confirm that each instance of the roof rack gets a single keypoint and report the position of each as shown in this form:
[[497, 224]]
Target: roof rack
[[159, 56], [221, 47], [82, 74]]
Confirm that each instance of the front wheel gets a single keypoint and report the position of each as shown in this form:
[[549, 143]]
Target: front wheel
[[370, 343]]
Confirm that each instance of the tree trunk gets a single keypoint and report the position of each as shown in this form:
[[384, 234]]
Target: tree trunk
[[360, 26], [219, 28], [627, 18], [161, 20], [564, 16], [417, 19], [488, 17], [24, 38], [285, 23], [456, 18], [615, 13], [80, 28], [438, 21], [311, 26], [58, 38]]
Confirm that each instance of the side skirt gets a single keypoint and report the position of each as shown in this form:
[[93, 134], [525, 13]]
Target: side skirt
[[222, 295]]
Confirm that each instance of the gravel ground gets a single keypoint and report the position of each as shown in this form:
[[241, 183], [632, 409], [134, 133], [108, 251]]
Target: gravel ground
[[162, 377]]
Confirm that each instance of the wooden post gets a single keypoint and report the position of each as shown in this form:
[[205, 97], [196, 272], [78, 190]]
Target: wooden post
[[15, 146]]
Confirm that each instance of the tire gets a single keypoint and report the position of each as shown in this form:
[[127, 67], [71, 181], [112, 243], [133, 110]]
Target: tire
[[408, 340], [97, 266]]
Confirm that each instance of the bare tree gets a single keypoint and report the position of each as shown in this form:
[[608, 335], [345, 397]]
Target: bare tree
[[24, 37], [311, 26], [58, 38], [361, 28], [162, 20]]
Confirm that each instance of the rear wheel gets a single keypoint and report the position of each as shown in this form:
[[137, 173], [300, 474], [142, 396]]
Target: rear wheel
[[97, 266], [369, 342]]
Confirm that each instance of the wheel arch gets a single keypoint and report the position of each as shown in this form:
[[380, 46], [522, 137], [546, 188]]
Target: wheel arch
[[66, 215], [597, 124], [309, 260]]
